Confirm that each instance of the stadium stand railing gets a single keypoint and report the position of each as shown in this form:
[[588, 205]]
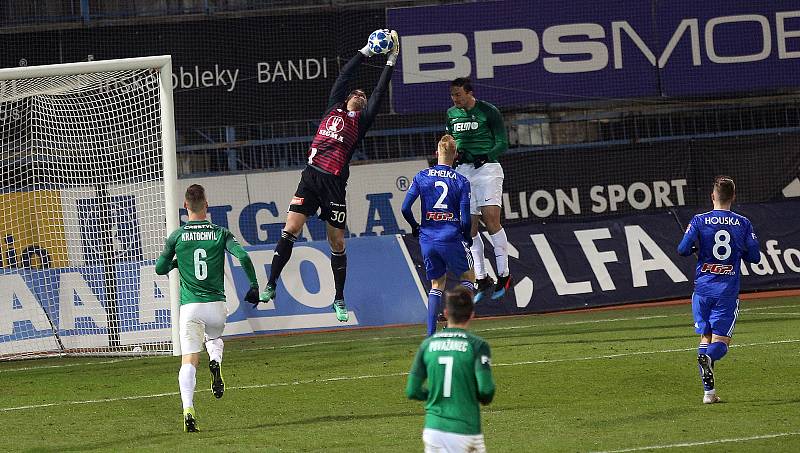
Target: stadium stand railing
[[48, 12], [284, 145]]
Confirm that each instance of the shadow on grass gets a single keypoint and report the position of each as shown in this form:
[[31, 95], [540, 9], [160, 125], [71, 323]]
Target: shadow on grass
[[119, 443], [340, 418], [765, 402]]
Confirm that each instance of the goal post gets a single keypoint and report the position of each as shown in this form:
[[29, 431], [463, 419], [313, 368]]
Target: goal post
[[88, 190]]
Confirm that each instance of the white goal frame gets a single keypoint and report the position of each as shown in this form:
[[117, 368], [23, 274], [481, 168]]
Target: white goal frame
[[163, 64]]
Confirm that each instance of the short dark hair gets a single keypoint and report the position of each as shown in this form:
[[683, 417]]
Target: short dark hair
[[463, 82], [353, 93], [724, 188], [458, 302], [195, 197]]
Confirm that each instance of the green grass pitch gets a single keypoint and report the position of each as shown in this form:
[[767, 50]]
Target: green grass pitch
[[618, 380]]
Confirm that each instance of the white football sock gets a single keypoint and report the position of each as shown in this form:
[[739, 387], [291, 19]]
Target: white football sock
[[214, 348], [187, 383], [477, 257], [500, 243]]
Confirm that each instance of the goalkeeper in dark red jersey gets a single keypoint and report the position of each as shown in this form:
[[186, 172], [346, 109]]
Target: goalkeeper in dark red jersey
[[322, 182]]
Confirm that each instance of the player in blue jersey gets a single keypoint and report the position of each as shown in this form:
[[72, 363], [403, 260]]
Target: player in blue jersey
[[446, 224], [723, 239]]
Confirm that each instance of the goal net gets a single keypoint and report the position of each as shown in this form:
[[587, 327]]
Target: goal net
[[87, 195]]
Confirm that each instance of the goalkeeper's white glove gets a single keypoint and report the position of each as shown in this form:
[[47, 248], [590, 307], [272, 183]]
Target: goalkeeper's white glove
[[367, 50], [392, 58]]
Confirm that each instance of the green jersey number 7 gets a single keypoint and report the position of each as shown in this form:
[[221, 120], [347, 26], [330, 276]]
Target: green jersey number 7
[[447, 361]]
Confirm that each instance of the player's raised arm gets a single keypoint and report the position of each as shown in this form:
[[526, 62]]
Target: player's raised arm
[[235, 249], [339, 91], [752, 253], [411, 197], [166, 261], [495, 120], [687, 247], [417, 376], [374, 103]]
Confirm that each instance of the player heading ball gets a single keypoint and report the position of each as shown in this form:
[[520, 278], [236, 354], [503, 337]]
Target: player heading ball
[[481, 137], [322, 183]]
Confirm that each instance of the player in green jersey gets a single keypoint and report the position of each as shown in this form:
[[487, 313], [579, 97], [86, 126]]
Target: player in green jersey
[[480, 138], [457, 366], [197, 250]]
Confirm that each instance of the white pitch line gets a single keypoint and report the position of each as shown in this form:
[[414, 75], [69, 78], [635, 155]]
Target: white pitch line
[[769, 307], [400, 337], [776, 313], [488, 329], [627, 354], [371, 376], [243, 387], [705, 442], [67, 365]]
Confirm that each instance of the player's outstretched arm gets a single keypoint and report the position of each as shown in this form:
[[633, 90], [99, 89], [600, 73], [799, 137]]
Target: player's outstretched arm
[[687, 247], [165, 262], [408, 202], [374, 103], [235, 249], [339, 91]]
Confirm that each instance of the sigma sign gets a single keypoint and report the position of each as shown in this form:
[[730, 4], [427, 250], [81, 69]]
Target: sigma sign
[[597, 45], [254, 206]]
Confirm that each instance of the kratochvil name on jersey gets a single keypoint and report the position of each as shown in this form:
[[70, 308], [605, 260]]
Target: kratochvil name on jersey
[[439, 216], [199, 236], [442, 173], [331, 134], [721, 221], [447, 345], [718, 269], [465, 126]]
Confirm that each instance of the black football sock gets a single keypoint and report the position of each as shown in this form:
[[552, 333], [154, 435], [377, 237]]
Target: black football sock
[[339, 267], [283, 251]]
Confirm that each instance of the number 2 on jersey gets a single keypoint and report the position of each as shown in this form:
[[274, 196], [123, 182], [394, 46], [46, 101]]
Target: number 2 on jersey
[[439, 204], [447, 361]]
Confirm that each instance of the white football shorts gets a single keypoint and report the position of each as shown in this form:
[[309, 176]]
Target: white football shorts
[[200, 321], [443, 442], [486, 185]]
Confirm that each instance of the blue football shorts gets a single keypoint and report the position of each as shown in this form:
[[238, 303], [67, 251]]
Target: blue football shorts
[[440, 257], [715, 315]]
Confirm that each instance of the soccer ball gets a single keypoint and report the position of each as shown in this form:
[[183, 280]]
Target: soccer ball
[[380, 41]]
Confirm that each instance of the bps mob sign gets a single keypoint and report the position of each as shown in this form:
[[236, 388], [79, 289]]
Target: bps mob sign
[[541, 52]]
